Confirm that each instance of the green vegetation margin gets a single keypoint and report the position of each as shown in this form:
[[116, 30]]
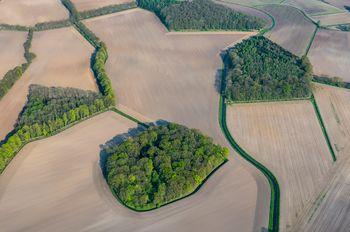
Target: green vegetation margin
[[274, 214]]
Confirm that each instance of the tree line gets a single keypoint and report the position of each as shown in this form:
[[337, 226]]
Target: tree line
[[47, 111], [105, 10], [201, 15], [14, 74], [160, 165], [258, 69], [335, 81]]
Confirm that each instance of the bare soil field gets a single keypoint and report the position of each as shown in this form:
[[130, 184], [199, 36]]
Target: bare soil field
[[287, 138], [338, 3], [329, 54], [63, 59], [333, 19], [253, 2], [314, 7], [29, 12], [63, 173], [247, 10], [171, 76], [12, 51], [293, 30], [82, 5]]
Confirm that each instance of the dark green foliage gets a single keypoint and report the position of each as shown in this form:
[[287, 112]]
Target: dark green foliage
[[73, 12], [344, 27], [9, 27], [259, 69], [106, 10], [14, 74], [200, 15], [335, 81], [49, 110], [160, 165], [206, 15], [52, 25]]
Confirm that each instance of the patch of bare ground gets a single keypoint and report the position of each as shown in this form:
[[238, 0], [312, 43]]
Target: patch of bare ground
[[82, 5], [56, 184], [171, 76], [332, 212], [333, 19], [11, 47], [63, 59], [329, 54], [338, 3], [313, 7], [293, 30], [29, 12], [287, 138]]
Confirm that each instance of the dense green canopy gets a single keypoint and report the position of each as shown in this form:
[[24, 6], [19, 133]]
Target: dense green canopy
[[160, 165], [259, 69], [200, 15]]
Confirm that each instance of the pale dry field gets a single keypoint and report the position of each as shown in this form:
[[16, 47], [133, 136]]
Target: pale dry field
[[329, 54], [287, 138], [63, 59], [332, 212], [171, 76], [293, 31], [314, 7], [56, 184], [333, 19], [252, 2], [338, 3], [82, 5], [30, 12], [12, 51]]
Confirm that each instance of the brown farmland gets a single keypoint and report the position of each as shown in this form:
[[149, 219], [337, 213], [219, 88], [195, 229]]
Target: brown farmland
[[82, 5], [287, 138], [293, 30], [63, 59], [329, 54], [63, 173], [30, 12], [12, 51], [171, 76], [333, 19], [314, 7], [338, 3]]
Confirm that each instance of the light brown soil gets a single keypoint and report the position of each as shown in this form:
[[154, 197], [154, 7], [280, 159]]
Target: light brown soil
[[293, 30], [63, 59], [82, 5], [171, 76], [329, 54], [339, 3], [287, 138], [331, 214], [56, 184], [333, 19], [30, 12], [314, 6], [11, 47]]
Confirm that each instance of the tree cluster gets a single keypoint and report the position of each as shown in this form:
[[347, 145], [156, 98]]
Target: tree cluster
[[160, 165], [258, 69], [14, 74], [335, 81], [47, 111], [105, 10], [200, 15], [52, 25], [4, 26]]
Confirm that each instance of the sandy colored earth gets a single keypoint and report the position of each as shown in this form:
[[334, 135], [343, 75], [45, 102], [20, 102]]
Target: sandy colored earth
[[314, 7], [333, 19], [252, 2], [63, 59], [338, 3], [293, 30], [171, 76], [329, 54], [287, 138], [56, 184], [332, 212], [30, 12], [11, 47], [82, 5]]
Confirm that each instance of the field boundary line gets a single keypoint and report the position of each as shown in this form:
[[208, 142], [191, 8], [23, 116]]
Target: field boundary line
[[274, 214], [311, 40]]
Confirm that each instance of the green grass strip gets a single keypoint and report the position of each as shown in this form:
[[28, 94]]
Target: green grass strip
[[320, 120], [274, 215], [311, 41]]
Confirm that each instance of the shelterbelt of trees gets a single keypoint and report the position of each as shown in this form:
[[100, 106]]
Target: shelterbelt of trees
[[259, 69], [14, 74], [47, 111], [200, 15], [160, 165]]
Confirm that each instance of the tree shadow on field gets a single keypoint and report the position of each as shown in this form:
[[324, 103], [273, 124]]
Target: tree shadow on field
[[220, 72], [118, 139]]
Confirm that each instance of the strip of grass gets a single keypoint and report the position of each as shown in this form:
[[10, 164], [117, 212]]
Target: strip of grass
[[311, 40]]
